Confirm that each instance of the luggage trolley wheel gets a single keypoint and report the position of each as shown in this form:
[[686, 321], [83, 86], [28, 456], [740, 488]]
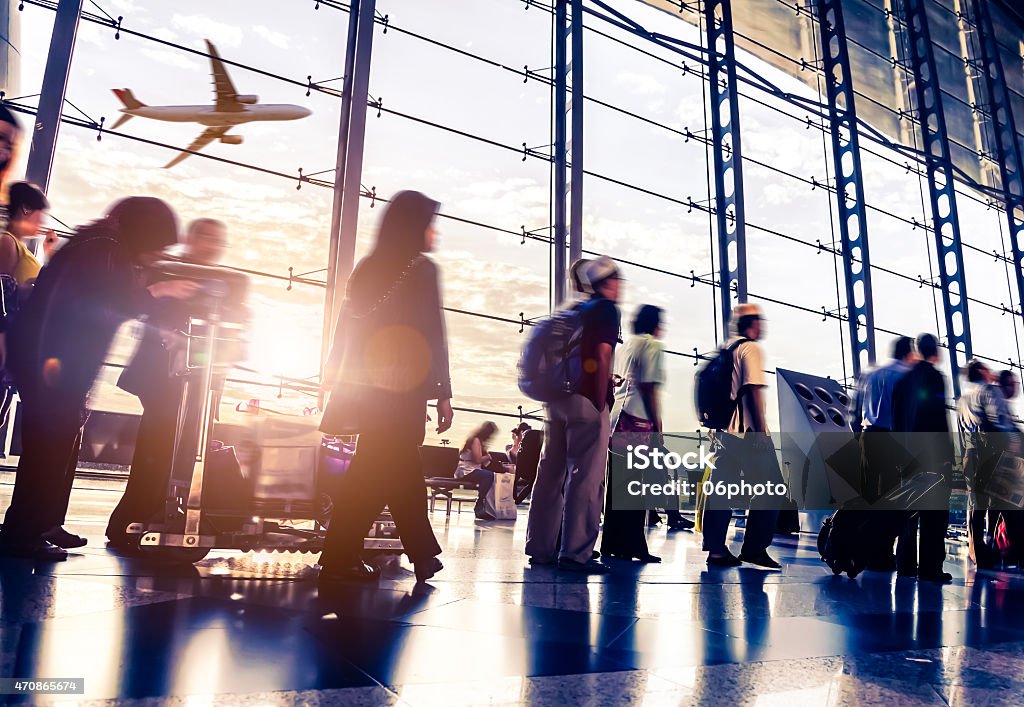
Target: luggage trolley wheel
[[170, 553]]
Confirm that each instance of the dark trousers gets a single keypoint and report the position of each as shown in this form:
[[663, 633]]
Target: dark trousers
[[385, 471], [922, 544], [146, 490], [759, 465], [881, 456], [484, 480], [51, 437]]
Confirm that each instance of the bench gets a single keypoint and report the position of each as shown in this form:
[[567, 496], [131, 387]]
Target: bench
[[439, 465]]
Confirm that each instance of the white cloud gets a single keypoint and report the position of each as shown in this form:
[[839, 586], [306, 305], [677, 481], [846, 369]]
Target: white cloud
[[172, 58], [207, 28], [643, 84], [273, 37]]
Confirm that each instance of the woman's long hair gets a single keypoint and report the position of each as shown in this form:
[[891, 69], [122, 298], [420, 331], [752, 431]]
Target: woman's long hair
[[484, 433], [141, 224], [401, 237]]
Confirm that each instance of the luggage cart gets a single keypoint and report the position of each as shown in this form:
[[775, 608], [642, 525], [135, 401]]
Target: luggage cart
[[209, 503]]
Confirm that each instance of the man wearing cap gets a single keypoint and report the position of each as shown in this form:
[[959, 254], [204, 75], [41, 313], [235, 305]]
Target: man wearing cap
[[745, 444], [569, 493]]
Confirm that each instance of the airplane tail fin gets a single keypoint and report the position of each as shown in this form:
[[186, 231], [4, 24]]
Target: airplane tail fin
[[128, 98]]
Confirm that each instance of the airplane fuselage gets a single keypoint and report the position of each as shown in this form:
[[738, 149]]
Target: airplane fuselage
[[211, 117]]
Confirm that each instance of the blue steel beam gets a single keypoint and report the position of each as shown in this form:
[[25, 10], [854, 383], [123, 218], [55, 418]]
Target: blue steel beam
[[576, 133], [1008, 151], [725, 137], [568, 146], [939, 167], [560, 152], [51, 97], [331, 296], [849, 182]]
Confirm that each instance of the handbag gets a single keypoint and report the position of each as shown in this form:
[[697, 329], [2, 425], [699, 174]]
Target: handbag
[[351, 398], [500, 501]]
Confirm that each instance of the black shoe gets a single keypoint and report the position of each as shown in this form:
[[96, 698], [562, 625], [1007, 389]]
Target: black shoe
[[940, 577], [595, 555], [39, 550], [425, 569], [681, 524], [653, 519], [761, 559], [726, 560], [62, 538], [537, 562], [358, 572], [484, 515], [589, 567], [645, 558]]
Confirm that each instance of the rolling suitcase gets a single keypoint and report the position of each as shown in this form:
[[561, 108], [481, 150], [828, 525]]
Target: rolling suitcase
[[850, 536]]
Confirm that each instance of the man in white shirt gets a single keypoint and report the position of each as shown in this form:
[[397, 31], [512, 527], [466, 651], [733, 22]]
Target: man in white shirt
[[746, 446]]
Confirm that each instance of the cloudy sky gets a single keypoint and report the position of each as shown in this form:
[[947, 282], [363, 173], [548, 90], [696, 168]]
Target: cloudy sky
[[274, 226]]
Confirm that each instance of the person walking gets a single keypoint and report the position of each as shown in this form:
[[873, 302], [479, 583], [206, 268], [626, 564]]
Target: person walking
[[744, 446], [148, 376], [987, 431], [58, 344], [390, 356], [635, 419]]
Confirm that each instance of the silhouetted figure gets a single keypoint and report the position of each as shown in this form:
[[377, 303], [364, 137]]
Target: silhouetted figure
[[58, 345], [390, 356], [919, 411], [636, 420], [148, 376], [987, 431], [746, 445], [565, 513], [881, 454]]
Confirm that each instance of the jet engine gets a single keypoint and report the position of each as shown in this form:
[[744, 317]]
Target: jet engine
[[248, 99], [231, 139]]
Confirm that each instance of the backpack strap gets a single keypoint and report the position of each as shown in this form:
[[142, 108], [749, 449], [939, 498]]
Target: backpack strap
[[739, 394]]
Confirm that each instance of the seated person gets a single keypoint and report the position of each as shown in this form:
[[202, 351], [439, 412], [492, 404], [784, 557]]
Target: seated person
[[473, 463], [518, 433]]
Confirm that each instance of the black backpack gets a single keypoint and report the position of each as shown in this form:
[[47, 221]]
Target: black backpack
[[712, 389]]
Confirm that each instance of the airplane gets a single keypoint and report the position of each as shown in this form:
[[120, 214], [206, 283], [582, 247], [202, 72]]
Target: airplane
[[230, 109]]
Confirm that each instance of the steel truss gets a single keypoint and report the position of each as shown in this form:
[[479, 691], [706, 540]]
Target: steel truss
[[849, 182], [1008, 152], [725, 134], [348, 164], [939, 167], [51, 96], [568, 145]]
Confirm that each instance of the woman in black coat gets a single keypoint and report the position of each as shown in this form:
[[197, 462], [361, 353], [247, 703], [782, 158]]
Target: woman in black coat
[[390, 356], [56, 347]]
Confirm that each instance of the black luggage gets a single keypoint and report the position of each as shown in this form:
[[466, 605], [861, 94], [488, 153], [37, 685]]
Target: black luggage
[[851, 536]]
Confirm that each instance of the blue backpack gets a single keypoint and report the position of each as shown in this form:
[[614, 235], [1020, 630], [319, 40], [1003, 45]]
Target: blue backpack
[[551, 364]]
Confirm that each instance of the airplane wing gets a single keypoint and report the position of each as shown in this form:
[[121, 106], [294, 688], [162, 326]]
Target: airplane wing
[[208, 136], [226, 95]]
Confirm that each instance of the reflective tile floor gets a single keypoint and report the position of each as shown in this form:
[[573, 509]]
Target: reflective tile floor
[[253, 629]]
